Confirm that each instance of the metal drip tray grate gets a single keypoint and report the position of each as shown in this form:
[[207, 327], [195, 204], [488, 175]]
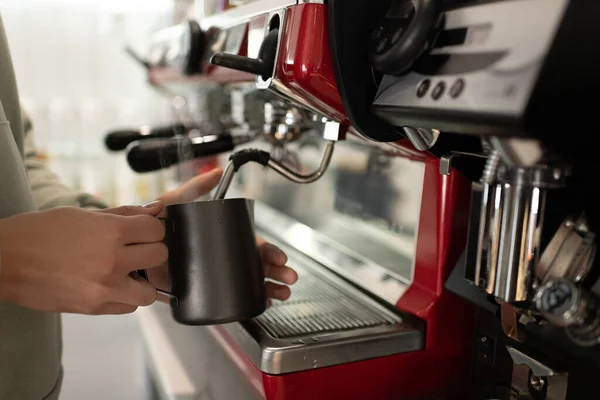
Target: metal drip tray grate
[[317, 307]]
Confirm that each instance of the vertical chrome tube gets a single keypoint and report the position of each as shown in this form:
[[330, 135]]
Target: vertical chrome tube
[[518, 241], [511, 217]]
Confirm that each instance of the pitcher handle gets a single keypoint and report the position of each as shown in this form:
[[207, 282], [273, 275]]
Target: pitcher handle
[[144, 275]]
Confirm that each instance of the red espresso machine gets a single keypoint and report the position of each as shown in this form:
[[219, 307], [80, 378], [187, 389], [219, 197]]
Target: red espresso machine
[[373, 240], [448, 252]]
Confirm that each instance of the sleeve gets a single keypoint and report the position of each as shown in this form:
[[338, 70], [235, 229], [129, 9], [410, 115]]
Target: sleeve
[[48, 190]]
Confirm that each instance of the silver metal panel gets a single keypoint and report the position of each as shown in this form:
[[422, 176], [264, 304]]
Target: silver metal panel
[[508, 40], [312, 331], [170, 376], [244, 13], [360, 219]]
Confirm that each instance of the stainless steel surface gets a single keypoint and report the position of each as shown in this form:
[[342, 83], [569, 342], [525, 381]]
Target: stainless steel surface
[[566, 305], [489, 225], [569, 254], [560, 302], [510, 224], [225, 182], [193, 362], [446, 160], [280, 168], [242, 14], [587, 333], [170, 377], [375, 278], [332, 131], [169, 295], [446, 163], [422, 139], [529, 372], [542, 176], [519, 242], [336, 325], [537, 383], [248, 107], [276, 17], [537, 368], [523, 153], [318, 307], [360, 219], [283, 122], [491, 168]]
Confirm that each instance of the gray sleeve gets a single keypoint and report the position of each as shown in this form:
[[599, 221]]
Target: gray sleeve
[[48, 190]]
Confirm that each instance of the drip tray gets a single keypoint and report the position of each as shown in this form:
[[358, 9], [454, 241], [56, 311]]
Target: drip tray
[[317, 307], [325, 322]]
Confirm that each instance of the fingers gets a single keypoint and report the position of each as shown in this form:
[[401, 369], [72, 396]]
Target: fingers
[[270, 254], [152, 209], [159, 277], [133, 291], [142, 256], [193, 188], [280, 273], [276, 291], [140, 229], [115, 309]]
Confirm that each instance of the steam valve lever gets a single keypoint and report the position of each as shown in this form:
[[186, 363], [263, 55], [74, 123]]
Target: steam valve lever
[[118, 140], [262, 66], [155, 154]]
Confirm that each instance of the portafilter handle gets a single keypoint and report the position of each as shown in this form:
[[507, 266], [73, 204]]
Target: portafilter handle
[[237, 159]]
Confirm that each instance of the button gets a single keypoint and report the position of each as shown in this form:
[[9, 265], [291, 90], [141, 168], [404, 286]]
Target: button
[[485, 349], [423, 88], [438, 90], [457, 88]]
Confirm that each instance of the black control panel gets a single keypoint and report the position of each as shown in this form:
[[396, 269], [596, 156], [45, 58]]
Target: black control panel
[[498, 68]]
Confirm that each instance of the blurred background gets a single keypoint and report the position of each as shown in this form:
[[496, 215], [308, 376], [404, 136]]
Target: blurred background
[[77, 82]]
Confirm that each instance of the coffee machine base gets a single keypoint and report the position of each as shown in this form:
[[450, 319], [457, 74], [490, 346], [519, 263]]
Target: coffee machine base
[[359, 348]]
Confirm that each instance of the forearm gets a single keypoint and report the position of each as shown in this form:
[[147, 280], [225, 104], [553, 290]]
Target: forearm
[[48, 190]]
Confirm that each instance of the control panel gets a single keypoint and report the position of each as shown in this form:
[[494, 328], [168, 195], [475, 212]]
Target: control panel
[[484, 61]]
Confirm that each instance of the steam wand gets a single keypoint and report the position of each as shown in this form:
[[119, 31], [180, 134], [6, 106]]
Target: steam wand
[[242, 157]]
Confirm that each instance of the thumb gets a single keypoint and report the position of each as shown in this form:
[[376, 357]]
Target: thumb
[[152, 209]]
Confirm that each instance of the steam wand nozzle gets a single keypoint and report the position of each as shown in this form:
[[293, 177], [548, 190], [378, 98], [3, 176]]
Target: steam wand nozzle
[[239, 158]]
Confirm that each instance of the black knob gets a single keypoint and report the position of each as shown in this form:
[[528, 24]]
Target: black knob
[[403, 34], [118, 140], [262, 66], [155, 154]]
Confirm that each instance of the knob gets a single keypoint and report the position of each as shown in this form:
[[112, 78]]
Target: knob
[[262, 66], [560, 301], [568, 306], [407, 30]]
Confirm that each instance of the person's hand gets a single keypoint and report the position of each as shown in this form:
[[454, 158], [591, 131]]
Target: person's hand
[[273, 258], [78, 261], [192, 189], [274, 261]]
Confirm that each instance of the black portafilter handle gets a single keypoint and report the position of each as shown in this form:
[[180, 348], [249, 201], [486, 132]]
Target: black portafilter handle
[[118, 140], [262, 66], [155, 154]]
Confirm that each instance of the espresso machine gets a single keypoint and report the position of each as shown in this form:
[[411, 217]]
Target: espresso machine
[[448, 249]]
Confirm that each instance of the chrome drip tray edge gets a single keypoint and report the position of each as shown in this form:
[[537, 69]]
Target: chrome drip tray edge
[[276, 357], [311, 331]]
